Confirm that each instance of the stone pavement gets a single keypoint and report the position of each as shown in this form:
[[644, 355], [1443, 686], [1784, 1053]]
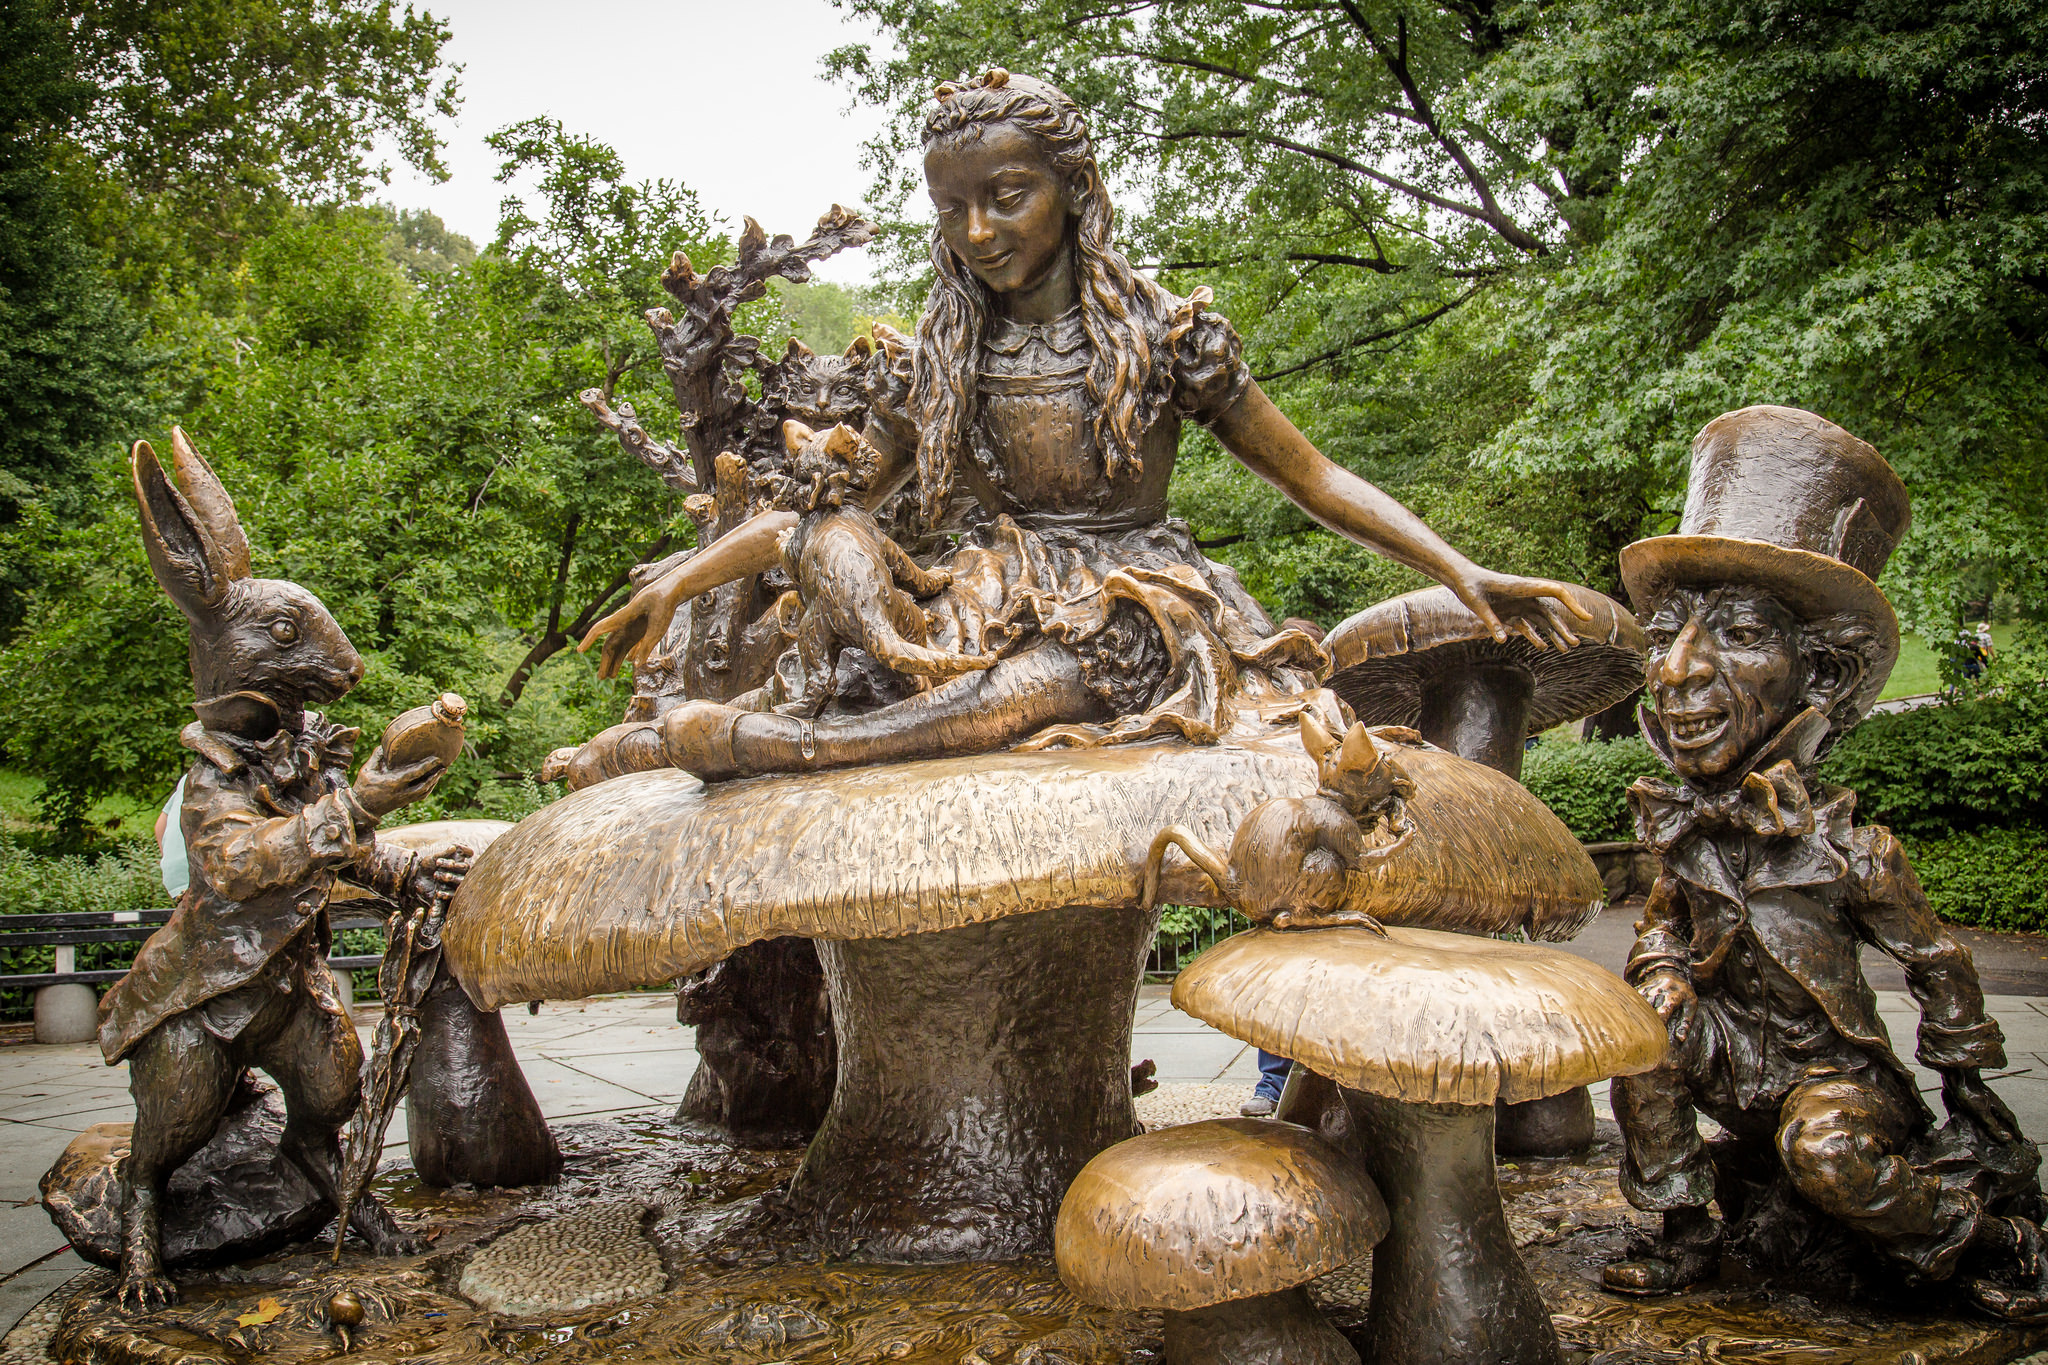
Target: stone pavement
[[618, 1054]]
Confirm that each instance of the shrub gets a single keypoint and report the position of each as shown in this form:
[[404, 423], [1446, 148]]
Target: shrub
[[1992, 878], [1943, 769], [126, 878], [1586, 785]]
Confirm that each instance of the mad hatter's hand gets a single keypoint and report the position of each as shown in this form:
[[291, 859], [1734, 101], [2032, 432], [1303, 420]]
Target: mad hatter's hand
[[1672, 996], [1964, 1094], [1538, 610]]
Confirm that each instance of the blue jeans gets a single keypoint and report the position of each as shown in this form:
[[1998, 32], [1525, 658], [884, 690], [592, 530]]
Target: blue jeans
[[1272, 1075]]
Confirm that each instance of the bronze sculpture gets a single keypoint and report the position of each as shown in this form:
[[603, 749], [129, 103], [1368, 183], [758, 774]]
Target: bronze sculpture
[[1048, 385], [1292, 860], [1422, 659], [1417, 1035], [238, 977], [1218, 1225], [1769, 640], [1050, 381]]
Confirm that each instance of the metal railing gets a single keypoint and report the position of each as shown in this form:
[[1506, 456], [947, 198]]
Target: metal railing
[[1184, 933]]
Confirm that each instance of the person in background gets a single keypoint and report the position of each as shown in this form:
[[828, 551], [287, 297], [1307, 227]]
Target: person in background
[[177, 873], [1273, 1068]]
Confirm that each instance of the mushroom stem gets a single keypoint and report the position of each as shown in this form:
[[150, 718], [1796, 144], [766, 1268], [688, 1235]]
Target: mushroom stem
[[1480, 711], [980, 1069], [1268, 1329], [1556, 1125], [470, 1117], [1447, 1284]]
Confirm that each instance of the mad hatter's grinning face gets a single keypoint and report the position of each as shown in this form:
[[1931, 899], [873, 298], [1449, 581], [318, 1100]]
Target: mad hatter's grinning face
[[1726, 673]]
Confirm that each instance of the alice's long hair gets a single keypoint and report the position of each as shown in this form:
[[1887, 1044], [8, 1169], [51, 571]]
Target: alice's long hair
[[1129, 374]]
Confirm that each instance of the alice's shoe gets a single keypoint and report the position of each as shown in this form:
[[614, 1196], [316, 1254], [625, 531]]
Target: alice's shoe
[[697, 737]]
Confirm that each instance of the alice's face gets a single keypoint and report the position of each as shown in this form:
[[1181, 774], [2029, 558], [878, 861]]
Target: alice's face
[[1003, 207], [1726, 674]]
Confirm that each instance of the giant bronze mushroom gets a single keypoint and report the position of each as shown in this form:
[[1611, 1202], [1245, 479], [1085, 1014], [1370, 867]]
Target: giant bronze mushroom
[[1423, 1032], [1219, 1225], [471, 1118], [1425, 660], [980, 924]]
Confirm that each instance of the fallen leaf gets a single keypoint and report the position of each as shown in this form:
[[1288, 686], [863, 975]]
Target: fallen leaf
[[266, 1310]]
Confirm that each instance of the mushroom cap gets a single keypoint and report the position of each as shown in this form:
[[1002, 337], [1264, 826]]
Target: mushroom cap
[[1424, 1017], [1203, 1213], [648, 877], [1382, 658]]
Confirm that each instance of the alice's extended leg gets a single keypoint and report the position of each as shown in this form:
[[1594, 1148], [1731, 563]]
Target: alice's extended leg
[[973, 714]]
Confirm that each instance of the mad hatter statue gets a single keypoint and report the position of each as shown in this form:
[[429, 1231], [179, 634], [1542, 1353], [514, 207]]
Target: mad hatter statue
[[1769, 640]]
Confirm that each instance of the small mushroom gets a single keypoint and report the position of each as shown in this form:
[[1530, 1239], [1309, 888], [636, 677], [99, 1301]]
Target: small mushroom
[[1424, 1031], [1426, 661], [1220, 1224]]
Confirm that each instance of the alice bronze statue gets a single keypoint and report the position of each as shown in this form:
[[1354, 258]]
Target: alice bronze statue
[[1048, 386]]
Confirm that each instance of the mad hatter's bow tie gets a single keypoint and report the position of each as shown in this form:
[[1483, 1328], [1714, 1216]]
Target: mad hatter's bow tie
[[1772, 804]]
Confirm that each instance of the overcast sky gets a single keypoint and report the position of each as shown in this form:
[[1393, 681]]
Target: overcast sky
[[725, 97]]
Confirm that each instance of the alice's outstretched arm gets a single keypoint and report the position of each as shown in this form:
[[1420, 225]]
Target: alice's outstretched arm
[[751, 547], [1269, 445]]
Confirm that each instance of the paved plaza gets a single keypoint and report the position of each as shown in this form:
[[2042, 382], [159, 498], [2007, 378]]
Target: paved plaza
[[621, 1054]]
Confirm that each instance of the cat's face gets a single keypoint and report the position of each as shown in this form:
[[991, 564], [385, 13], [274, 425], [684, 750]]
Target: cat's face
[[822, 391]]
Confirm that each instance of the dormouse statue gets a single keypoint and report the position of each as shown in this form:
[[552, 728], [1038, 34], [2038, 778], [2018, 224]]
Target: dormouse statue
[[1769, 639], [238, 978], [1292, 858]]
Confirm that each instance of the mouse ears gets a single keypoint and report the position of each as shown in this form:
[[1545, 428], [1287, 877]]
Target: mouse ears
[[195, 541]]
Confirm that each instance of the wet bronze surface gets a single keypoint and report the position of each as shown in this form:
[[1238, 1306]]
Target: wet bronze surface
[[1397, 660], [1201, 1213], [648, 877], [1567, 1217], [1422, 1016]]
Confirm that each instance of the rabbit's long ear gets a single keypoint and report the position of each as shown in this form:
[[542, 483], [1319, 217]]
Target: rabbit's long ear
[[219, 527], [178, 552]]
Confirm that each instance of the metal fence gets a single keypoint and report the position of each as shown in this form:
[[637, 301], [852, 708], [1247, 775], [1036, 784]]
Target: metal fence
[[1184, 933]]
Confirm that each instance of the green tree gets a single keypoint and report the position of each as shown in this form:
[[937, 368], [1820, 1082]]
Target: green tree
[[407, 445], [210, 119], [1508, 258], [1842, 209], [69, 358]]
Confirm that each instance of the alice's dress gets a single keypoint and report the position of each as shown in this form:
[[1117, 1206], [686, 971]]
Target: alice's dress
[[1058, 548]]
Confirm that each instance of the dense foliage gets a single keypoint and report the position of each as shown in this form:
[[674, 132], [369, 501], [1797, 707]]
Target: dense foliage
[[1991, 878], [1944, 769], [393, 410], [1586, 785]]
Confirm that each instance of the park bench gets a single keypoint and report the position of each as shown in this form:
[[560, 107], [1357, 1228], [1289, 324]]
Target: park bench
[[64, 932]]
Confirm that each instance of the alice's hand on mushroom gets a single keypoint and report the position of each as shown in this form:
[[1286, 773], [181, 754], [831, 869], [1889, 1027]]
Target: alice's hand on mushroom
[[1671, 995], [1537, 609]]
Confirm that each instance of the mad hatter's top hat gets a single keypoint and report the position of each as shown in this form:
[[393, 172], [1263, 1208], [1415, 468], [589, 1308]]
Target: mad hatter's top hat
[[1793, 504]]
